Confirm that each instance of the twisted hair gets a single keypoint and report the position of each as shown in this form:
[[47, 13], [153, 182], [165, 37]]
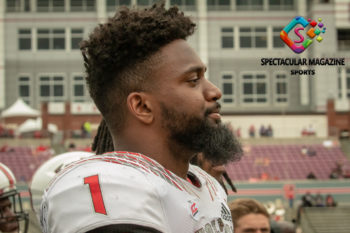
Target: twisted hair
[[118, 56], [229, 181], [103, 141]]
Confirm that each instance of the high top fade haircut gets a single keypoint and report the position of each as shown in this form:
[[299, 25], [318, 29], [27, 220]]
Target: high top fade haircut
[[118, 55]]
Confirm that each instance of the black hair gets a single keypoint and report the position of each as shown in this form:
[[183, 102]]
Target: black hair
[[103, 141], [118, 56]]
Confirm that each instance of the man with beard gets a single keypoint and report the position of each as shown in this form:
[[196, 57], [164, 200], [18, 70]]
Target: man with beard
[[149, 85]]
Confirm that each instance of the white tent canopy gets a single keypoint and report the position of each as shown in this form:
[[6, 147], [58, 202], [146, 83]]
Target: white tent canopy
[[20, 108], [31, 125]]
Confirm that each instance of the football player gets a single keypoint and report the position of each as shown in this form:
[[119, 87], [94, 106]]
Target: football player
[[12, 217], [47, 171], [218, 171], [150, 87]]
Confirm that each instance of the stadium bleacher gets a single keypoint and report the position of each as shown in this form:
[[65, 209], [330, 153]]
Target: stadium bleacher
[[286, 162], [326, 220], [23, 162]]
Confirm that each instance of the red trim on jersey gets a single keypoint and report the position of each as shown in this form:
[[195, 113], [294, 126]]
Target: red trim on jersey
[[148, 159], [125, 161], [209, 192], [129, 155], [8, 175]]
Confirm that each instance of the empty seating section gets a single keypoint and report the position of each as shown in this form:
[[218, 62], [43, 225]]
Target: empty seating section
[[327, 220], [286, 162], [23, 162]]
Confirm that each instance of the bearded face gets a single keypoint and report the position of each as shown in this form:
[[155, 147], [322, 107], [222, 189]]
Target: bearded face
[[201, 134]]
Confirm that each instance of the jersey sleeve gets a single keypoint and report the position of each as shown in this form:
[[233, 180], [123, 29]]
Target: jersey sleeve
[[101, 193]]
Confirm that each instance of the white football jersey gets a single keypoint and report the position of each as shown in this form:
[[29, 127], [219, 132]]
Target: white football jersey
[[130, 188]]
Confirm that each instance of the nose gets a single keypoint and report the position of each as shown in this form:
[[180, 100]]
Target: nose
[[212, 92]]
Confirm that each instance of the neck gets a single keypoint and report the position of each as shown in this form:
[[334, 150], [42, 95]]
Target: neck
[[174, 160]]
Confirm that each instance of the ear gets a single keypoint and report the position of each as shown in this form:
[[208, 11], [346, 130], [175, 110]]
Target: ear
[[140, 106]]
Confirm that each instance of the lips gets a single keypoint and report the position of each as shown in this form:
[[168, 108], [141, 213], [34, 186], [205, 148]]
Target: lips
[[214, 112], [215, 115]]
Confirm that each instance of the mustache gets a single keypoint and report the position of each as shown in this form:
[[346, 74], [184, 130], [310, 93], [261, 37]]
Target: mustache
[[215, 108]]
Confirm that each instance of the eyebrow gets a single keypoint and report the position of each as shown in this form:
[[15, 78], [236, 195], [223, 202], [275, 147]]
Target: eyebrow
[[196, 69]]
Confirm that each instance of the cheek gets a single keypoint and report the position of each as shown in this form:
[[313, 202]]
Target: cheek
[[194, 103], [187, 102]]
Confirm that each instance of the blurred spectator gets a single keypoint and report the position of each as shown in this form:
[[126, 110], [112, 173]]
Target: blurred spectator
[[339, 167], [304, 132], [83, 133], [41, 148], [252, 131], [266, 161], [308, 151], [290, 194], [262, 131], [304, 150], [2, 129], [311, 176], [269, 131], [334, 174], [311, 152], [6, 148], [71, 146], [337, 172], [248, 215], [37, 134], [86, 129], [319, 202], [310, 131], [307, 200], [5, 132], [330, 202], [264, 176], [347, 174], [238, 132], [262, 161]]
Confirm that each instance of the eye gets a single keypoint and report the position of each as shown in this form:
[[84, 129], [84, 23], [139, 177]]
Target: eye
[[194, 80]]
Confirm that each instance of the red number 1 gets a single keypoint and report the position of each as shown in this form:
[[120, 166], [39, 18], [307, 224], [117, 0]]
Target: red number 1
[[96, 194]]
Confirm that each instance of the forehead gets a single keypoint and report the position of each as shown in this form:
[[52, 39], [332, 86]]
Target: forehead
[[176, 58], [253, 221]]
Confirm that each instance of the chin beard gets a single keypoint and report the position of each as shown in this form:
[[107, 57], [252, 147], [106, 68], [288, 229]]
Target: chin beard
[[195, 134]]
